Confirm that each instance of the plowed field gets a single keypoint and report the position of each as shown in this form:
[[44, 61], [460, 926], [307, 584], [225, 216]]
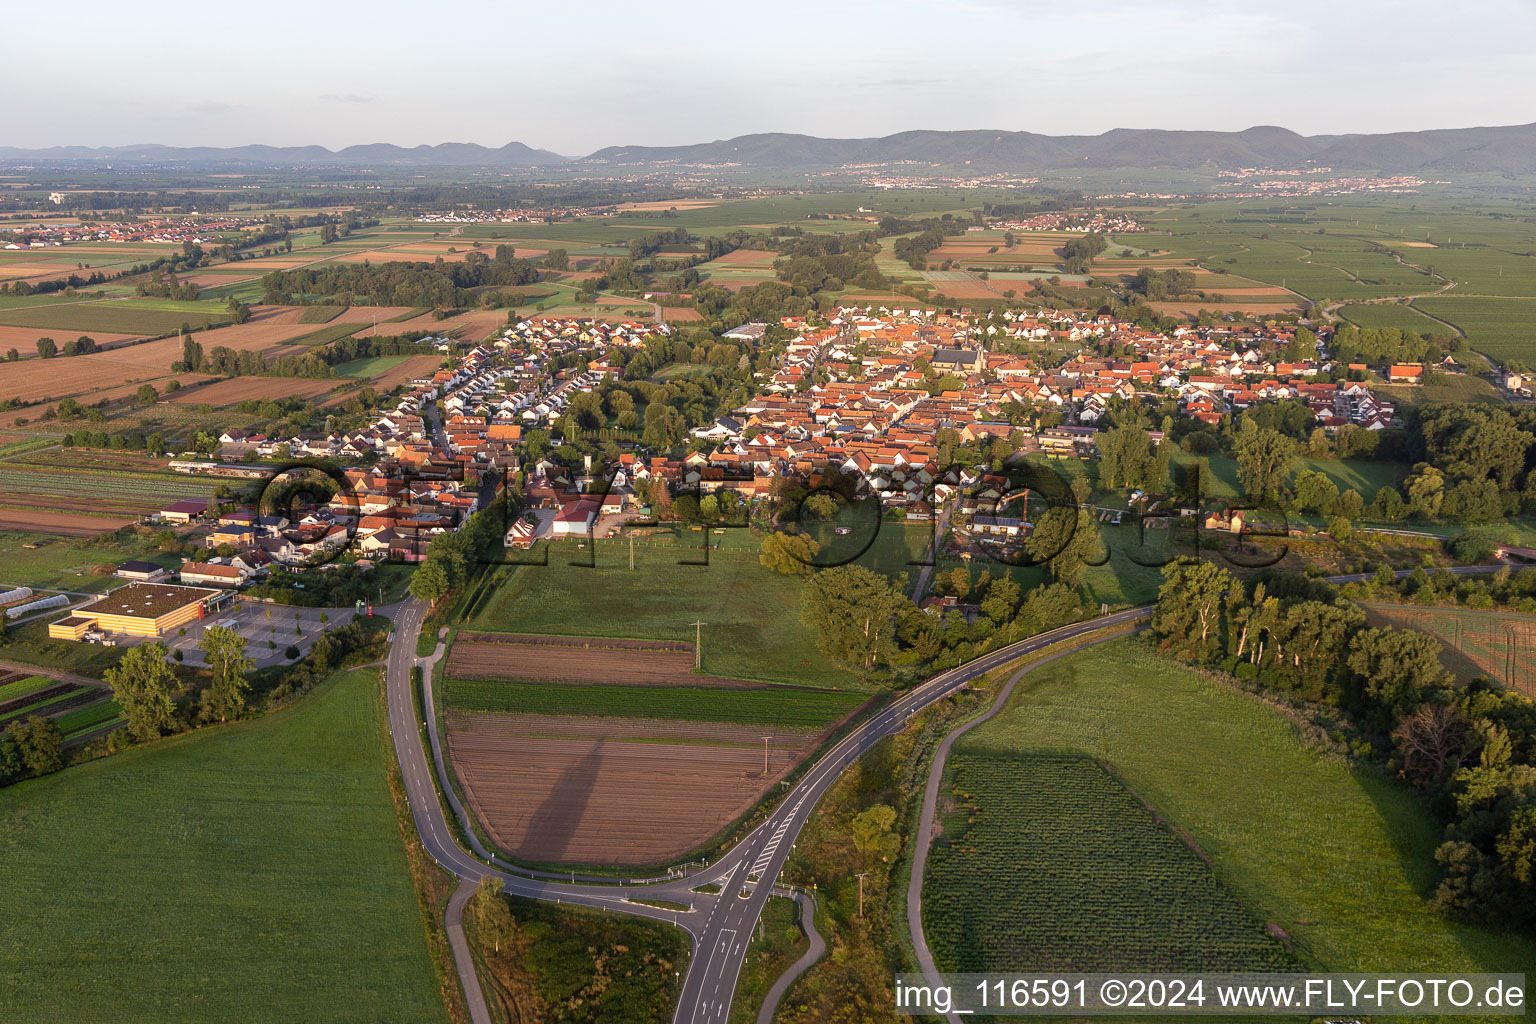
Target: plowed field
[[585, 800]]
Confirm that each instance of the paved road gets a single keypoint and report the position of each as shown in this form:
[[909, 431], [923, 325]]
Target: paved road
[[719, 925]]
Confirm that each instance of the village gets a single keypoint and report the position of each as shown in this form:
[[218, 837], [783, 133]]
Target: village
[[884, 396]]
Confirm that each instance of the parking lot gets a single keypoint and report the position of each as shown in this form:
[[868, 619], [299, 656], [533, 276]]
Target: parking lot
[[269, 630]]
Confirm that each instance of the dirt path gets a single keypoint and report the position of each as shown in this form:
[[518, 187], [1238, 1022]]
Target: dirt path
[[923, 833], [52, 673], [792, 974]]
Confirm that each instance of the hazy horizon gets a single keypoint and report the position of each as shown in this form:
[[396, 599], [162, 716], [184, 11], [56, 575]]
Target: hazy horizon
[[695, 72]]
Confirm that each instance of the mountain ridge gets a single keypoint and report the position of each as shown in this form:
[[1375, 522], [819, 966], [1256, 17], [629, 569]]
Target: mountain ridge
[[1509, 149]]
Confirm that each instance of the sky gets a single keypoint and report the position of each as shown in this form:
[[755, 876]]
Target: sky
[[576, 77]]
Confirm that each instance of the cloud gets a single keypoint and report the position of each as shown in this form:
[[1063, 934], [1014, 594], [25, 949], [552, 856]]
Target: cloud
[[349, 97], [213, 108]]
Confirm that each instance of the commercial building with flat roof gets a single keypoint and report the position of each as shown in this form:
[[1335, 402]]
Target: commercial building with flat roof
[[139, 609]]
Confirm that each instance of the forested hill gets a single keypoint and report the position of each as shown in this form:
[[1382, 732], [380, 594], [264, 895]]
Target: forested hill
[[1503, 150]]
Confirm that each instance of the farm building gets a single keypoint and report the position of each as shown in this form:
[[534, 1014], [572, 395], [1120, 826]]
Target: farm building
[[141, 572], [185, 510], [139, 609], [576, 518]]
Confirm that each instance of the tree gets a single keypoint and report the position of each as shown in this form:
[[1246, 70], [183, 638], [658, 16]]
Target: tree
[[430, 581], [1396, 666], [872, 835], [147, 394], [46, 349], [142, 684], [40, 744], [494, 923], [1189, 604], [1264, 457], [853, 610], [1387, 506], [1315, 492], [224, 651], [1066, 542], [792, 554]]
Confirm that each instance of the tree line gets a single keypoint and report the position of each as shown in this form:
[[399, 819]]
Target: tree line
[[1470, 751]]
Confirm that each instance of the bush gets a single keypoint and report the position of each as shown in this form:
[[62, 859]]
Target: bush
[[291, 652]]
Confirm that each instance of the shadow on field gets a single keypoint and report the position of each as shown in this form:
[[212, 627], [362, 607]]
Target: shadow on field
[[555, 822]]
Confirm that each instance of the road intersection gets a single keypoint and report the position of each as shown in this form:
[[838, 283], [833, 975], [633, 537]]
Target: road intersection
[[720, 925]]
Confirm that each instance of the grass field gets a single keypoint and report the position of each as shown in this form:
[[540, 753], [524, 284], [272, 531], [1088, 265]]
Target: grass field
[[788, 707], [252, 872], [1364, 477], [1082, 877], [751, 616], [1342, 860], [364, 368]]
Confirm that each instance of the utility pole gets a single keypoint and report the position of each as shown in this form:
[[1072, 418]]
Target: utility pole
[[765, 755], [631, 552], [698, 638], [860, 877]]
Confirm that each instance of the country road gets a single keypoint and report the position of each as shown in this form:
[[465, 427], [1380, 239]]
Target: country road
[[719, 925]]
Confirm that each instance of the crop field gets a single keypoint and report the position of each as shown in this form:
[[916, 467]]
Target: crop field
[[18, 684], [238, 389], [578, 660], [642, 792], [1379, 315], [320, 314], [35, 492], [212, 885], [408, 370], [127, 316], [1084, 877], [1339, 859], [327, 334], [769, 705], [1497, 644], [1505, 328], [119, 371], [60, 524], [126, 484]]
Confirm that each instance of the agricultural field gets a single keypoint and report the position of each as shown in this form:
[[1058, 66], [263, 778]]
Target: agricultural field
[[752, 628], [128, 316], [123, 492], [78, 710], [1341, 860], [376, 366], [1498, 644], [785, 706], [1083, 877], [611, 791], [296, 888], [1378, 315], [238, 389], [1504, 328], [328, 334], [577, 660]]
